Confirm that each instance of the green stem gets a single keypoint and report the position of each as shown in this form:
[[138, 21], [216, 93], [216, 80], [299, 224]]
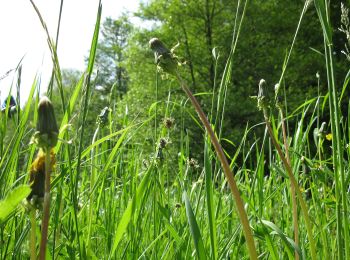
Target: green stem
[[292, 179], [226, 168], [292, 187], [92, 183], [338, 150], [46, 214], [32, 234]]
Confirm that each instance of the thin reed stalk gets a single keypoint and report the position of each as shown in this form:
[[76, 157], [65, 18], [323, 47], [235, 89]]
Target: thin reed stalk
[[226, 168], [292, 187], [293, 180], [342, 217], [92, 183]]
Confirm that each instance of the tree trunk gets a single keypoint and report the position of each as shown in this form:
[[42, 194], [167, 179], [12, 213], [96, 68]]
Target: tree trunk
[[209, 40], [188, 52]]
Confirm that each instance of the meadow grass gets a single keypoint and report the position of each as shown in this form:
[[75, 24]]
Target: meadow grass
[[113, 199]]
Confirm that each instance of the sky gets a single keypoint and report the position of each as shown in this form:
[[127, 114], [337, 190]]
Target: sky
[[22, 35]]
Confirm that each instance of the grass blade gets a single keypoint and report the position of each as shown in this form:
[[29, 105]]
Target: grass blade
[[9, 204], [195, 232], [210, 200]]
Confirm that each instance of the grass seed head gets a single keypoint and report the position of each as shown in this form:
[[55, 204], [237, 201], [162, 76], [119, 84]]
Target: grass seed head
[[192, 163], [168, 122], [163, 142]]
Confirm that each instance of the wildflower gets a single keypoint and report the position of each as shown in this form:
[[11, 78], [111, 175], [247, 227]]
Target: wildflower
[[46, 134], [37, 176], [165, 59], [168, 122], [329, 137]]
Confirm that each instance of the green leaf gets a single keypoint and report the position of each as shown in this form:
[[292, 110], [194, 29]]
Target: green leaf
[[195, 232], [210, 199], [9, 204], [286, 240], [128, 213]]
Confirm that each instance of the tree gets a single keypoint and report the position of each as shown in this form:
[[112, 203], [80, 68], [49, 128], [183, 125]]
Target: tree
[[110, 55], [198, 26]]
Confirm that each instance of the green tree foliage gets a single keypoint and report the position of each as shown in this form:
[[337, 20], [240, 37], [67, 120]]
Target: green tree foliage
[[125, 64], [110, 56], [264, 41], [198, 26]]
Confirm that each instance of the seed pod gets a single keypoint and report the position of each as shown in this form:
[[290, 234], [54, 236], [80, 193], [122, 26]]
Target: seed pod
[[46, 129]]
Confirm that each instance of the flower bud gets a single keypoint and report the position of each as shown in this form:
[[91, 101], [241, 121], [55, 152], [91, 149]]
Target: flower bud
[[46, 129], [166, 61], [168, 122], [158, 46], [263, 98]]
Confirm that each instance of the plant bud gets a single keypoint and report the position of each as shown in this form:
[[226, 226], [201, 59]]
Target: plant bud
[[158, 46], [46, 129], [166, 61], [263, 99]]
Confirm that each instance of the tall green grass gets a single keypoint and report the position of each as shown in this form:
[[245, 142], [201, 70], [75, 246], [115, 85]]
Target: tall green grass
[[113, 199]]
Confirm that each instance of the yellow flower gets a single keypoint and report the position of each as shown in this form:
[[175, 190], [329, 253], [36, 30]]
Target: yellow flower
[[329, 137], [37, 174]]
